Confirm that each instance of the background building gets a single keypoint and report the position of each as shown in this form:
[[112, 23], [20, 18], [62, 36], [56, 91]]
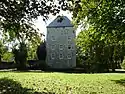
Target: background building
[[60, 44]]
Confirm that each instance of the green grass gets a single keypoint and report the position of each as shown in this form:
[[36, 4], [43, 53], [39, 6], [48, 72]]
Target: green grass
[[61, 83]]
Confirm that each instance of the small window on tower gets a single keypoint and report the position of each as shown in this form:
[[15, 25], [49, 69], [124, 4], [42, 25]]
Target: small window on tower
[[69, 56], [53, 56], [60, 56], [66, 31], [53, 47], [60, 46], [61, 32], [69, 38], [69, 46], [53, 38]]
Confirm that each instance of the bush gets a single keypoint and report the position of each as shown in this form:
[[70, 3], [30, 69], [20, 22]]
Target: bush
[[37, 64], [7, 65]]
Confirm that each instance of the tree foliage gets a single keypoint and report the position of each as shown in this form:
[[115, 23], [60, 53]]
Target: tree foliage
[[106, 16], [41, 51], [23, 10], [97, 54], [3, 49], [16, 21], [104, 40]]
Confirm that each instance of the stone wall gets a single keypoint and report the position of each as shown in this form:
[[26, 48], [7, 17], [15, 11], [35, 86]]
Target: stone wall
[[60, 45]]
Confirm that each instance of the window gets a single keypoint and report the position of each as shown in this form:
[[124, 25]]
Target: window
[[69, 38], [69, 56], [60, 56], [52, 47], [60, 46], [61, 32], [69, 46], [69, 42], [52, 56], [53, 38], [66, 31]]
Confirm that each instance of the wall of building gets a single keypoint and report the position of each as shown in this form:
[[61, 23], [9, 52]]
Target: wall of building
[[60, 45]]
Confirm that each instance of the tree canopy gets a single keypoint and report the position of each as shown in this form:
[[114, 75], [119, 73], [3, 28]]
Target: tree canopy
[[16, 23], [103, 42], [22, 10], [106, 16]]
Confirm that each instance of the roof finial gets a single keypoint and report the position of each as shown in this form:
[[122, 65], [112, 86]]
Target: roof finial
[[60, 18]]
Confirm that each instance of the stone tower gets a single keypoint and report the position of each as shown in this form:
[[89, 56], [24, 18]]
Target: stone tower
[[60, 44]]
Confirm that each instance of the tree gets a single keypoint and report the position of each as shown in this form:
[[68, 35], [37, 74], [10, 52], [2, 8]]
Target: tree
[[17, 16], [90, 51], [26, 37], [107, 18], [8, 56], [32, 48], [97, 53], [3, 47], [27, 10], [41, 51], [3, 50]]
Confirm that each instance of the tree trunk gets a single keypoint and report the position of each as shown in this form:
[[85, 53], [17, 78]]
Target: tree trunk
[[113, 66], [0, 58]]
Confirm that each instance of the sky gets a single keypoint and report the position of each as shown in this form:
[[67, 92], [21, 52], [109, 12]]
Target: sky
[[41, 25]]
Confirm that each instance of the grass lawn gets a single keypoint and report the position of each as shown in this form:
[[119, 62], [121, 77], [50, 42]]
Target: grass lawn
[[61, 83]]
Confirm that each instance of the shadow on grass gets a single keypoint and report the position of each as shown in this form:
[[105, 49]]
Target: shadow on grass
[[9, 86], [121, 82], [74, 70]]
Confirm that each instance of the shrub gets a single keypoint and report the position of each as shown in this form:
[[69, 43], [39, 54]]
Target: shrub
[[37, 64]]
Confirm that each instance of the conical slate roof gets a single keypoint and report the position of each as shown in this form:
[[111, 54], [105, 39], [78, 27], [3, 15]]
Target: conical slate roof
[[60, 21]]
